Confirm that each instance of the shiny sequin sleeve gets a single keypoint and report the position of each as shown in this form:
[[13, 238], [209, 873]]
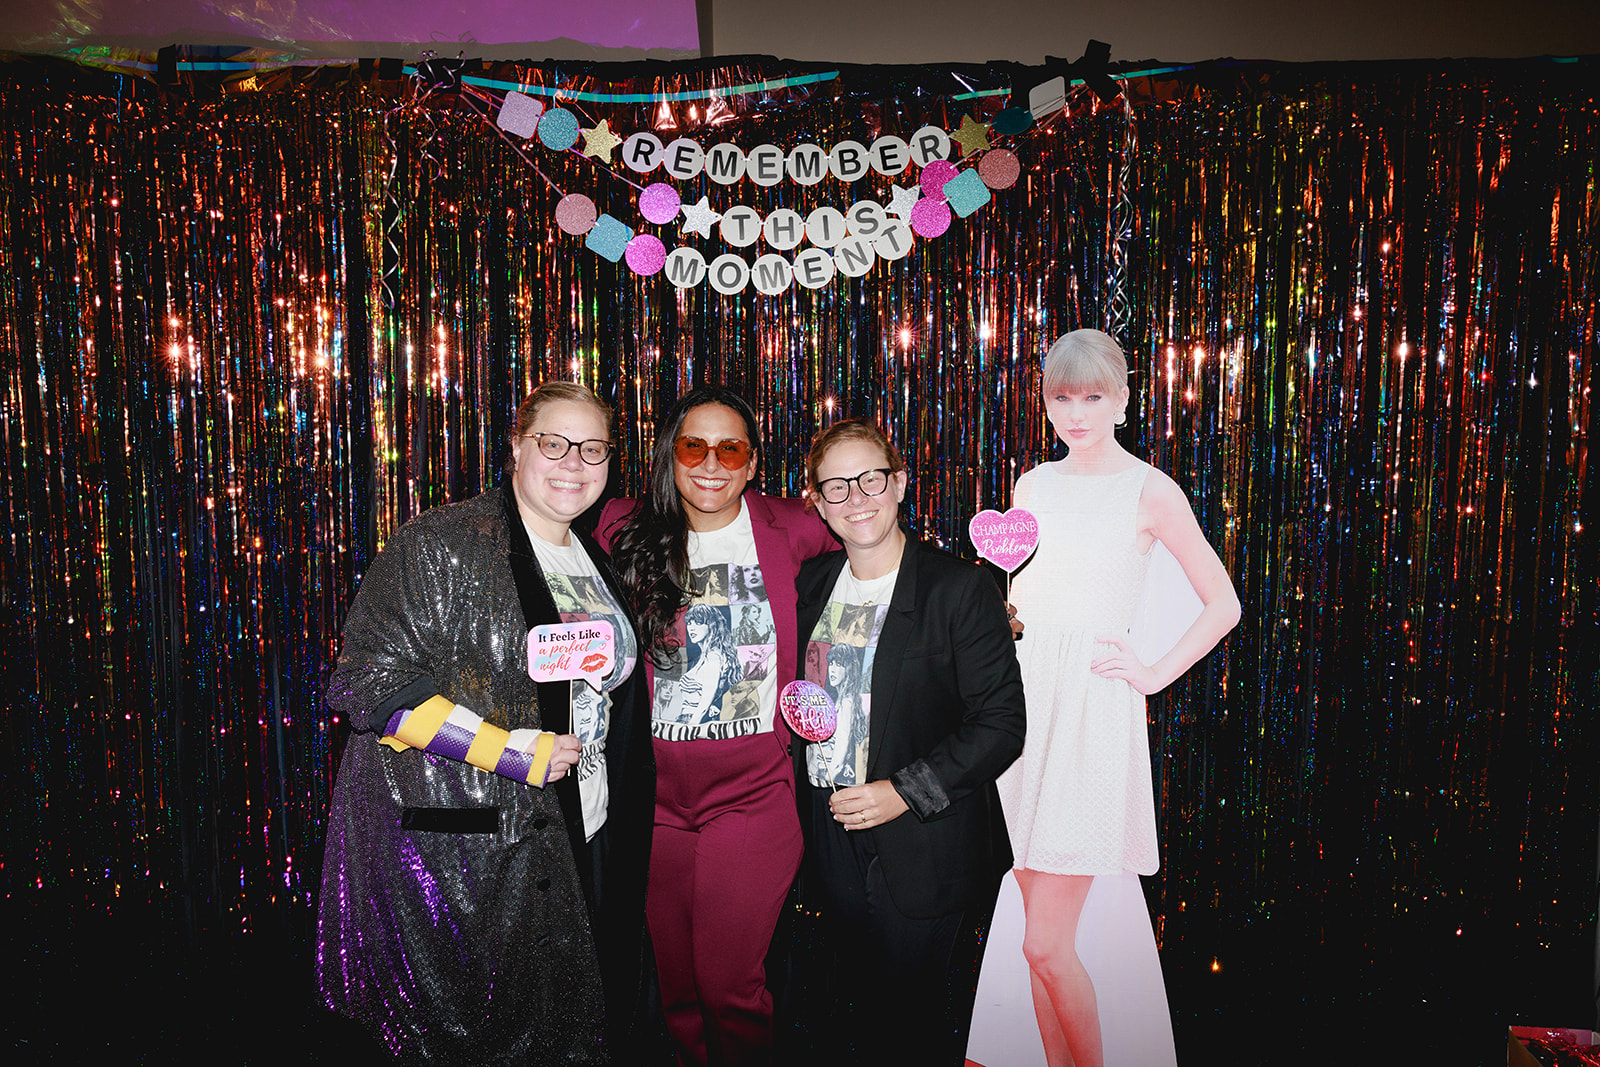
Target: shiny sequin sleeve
[[437, 614]]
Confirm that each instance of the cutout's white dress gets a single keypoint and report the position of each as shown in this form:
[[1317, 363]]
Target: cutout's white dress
[[1079, 800]]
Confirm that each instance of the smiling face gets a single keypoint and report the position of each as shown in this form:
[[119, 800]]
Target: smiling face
[[869, 526], [710, 492], [1085, 418], [551, 493]]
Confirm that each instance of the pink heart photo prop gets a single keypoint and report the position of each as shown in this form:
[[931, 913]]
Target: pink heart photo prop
[[808, 710], [1005, 540]]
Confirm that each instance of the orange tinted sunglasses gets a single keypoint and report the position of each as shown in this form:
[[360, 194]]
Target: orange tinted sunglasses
[[691, 452]]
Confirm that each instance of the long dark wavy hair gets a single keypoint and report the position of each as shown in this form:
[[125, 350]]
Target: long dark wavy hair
[[651, 552]]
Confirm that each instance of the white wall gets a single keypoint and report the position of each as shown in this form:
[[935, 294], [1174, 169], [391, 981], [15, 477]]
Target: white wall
[[897, 31]]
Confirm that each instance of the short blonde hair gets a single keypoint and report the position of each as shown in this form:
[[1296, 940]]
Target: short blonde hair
[[850, 430], [544, 395], [1085, 361]]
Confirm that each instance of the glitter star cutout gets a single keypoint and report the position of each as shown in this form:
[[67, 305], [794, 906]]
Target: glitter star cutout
[[903, 200], [972, 136], [599, 141], [698, 218]]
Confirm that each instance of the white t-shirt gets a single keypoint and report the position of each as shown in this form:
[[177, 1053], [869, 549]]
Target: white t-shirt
[[839, 657], [580, 594], [721, 680]]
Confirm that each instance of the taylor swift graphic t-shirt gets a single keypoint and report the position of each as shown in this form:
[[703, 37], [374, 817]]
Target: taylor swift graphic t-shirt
[[839, 657], [720, 681], [581, 595]]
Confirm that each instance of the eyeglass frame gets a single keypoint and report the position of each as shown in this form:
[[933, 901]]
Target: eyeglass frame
[[888, 475], [680, 442], [538, 442]]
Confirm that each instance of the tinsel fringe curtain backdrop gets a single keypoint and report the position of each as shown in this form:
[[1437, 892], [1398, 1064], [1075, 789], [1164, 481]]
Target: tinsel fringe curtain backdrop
[[252, 321]]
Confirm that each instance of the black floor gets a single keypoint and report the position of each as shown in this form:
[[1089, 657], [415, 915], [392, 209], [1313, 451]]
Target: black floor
[[113, 989]]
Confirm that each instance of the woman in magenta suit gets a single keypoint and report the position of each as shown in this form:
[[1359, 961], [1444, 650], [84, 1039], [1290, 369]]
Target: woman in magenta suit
[[727, 838]]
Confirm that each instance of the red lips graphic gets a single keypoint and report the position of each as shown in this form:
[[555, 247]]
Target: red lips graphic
[[592, 662]]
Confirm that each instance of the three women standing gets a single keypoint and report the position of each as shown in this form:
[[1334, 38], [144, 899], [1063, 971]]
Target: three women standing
[[485, 874]]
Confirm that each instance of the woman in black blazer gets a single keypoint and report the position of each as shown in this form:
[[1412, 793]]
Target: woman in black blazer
[[912, 845]]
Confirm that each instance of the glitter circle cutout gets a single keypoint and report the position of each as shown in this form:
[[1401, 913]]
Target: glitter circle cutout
[[646, 254], [808, 710], [575, 214], [935, 175], [930, 218], [659, 202], [558, 129], [999, 169]]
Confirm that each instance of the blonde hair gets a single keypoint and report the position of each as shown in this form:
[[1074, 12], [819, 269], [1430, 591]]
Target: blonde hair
[[541, 397], [1086, 361]]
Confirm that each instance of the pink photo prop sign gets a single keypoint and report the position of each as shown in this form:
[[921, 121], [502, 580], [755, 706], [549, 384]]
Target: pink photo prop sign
[[808, 710], [1005, 540], [558, 650]]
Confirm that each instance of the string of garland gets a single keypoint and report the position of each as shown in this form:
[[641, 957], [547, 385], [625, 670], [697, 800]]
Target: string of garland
[[846, 242]]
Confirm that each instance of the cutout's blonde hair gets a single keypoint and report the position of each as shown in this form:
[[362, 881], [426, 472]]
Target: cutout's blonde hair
[[1086, 361]]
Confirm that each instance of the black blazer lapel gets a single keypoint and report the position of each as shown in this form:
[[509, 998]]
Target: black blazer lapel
[[892, 642], [555, 698], [538, 608]]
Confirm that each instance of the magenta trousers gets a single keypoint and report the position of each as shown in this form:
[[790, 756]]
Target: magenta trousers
[[726, 849]]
